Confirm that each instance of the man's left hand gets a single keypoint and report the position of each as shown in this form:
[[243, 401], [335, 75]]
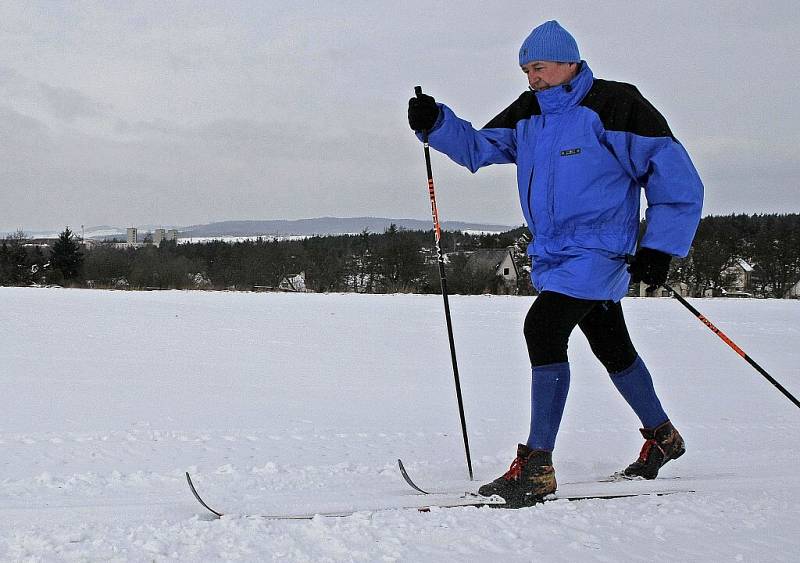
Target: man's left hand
[[650, 266]]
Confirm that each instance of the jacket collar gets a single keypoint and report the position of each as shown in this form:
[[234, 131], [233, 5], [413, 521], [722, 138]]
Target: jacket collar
[[561, 98]]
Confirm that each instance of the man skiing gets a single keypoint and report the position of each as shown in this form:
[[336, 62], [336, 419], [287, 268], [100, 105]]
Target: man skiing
[[584, 148]]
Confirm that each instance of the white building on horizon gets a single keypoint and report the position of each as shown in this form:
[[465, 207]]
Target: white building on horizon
[[161, 235]]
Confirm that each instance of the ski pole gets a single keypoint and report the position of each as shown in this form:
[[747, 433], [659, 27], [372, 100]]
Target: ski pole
[[437, 231], [733, 345]]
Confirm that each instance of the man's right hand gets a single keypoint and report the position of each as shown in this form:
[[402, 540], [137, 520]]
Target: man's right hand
[[422, 112]]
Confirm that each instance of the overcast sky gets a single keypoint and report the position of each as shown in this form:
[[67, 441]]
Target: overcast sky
[[178, 113]]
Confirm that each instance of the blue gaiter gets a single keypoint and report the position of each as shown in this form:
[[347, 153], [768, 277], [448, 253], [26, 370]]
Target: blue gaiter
[[636, 386], [549, 387]]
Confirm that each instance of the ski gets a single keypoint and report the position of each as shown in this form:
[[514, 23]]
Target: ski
[[585, 490], [619, 477], [430, 502]]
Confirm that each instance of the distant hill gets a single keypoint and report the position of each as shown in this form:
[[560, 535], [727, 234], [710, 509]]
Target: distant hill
[[302, 227], [326, 226]]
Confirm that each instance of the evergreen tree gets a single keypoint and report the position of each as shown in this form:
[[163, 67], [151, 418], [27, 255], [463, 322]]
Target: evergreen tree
[[400, 262], [106, 265], [66, 256], [776, 254], [14, 263], [360, 266], [5, 264]]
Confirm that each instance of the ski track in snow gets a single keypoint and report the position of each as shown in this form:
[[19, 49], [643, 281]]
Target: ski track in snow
[[281, 403]]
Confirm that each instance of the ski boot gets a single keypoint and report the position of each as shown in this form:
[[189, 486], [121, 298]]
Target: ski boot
[[662, 444], [530, 478]]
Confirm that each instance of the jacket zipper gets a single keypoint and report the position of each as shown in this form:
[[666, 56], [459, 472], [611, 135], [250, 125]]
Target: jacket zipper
[[551, 188], [552, 162], [531, 179]]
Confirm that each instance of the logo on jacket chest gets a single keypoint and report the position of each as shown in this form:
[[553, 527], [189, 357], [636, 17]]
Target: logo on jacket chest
[[570, 152]]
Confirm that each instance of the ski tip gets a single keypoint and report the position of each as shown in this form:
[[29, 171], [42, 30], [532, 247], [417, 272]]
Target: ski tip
[[199, 499], [407, 479]]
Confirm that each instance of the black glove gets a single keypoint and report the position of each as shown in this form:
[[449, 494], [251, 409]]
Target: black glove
[[649, 266], [422, 112]]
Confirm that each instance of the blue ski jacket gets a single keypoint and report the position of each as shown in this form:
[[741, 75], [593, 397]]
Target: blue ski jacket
[[584, 150]]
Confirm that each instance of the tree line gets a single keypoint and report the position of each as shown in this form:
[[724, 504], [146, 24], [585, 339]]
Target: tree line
[[768, 243], [393, 261], [390, 262]]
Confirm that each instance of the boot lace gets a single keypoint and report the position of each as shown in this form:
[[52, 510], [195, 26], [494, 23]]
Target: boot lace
[[515, 470], [645, 453]]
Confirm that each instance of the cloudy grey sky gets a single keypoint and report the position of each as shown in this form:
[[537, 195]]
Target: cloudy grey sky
[[177, 113]]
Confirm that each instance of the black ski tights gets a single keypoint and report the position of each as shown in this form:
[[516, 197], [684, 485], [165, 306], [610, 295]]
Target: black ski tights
[[552, 318]]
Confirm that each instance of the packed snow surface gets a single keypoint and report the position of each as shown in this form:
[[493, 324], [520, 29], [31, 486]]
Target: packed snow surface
[[283, 403]]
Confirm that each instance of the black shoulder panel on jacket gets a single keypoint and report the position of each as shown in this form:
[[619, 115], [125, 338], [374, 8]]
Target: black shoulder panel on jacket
[[522, 108], [622, 107]]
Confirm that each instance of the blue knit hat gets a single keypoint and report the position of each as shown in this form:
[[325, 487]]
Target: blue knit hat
[[549, 42]]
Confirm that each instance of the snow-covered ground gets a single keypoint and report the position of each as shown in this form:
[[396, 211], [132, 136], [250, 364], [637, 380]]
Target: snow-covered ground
[[282, 402]]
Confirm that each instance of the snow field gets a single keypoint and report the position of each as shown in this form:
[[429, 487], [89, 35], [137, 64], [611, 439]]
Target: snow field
[[280, 403]]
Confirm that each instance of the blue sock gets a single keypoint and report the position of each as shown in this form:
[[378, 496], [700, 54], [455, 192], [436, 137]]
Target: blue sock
[[549, 387], [636, 386]]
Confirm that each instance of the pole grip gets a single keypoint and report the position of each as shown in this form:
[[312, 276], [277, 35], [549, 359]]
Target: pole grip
[[418, 93]]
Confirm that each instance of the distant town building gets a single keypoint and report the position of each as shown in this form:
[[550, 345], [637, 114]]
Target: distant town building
[[293, 282], [739, 277], [161, 235], [793, 292], [158, 236], [496, 265], [640, 290], [500, 262]]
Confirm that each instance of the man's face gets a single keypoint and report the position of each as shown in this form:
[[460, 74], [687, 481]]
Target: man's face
[[546, 74]]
